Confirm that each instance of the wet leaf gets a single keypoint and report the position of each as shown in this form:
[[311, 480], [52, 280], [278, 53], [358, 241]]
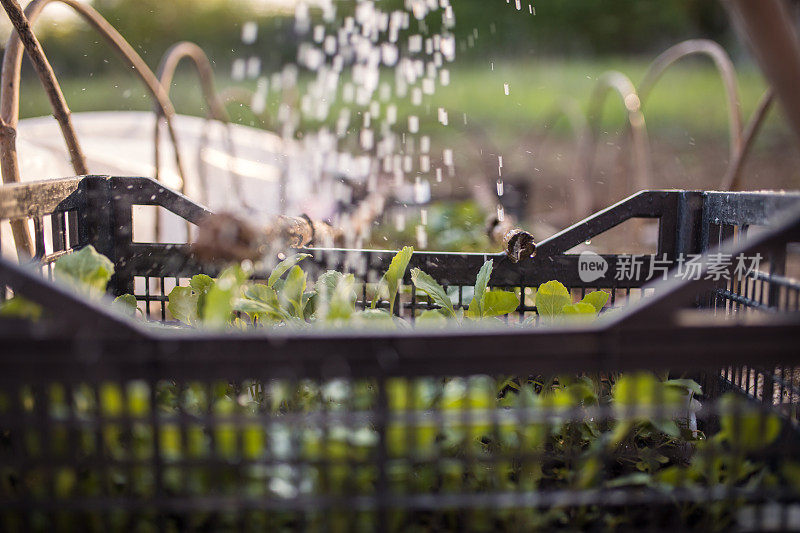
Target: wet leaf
[[261, 293], [327, 283], [375, 318], [218, 310], [644, 389], [293, 290], [19, 307], [390, 283], [428, 285], [127, 303], [201, 284], [85, 270], [431, 318], [256, 308], [637, 479], [183, 305], [579, 309], [284, 266], [744, 427], [597, 299], [689, 385], [342, 303], [499, 303], [551, 297], [476, 305]]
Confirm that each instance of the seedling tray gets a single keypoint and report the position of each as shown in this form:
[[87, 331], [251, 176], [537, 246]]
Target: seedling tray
[[107, 422]]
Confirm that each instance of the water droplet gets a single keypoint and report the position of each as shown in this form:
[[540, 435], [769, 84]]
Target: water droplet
[[422, 237], [249, 32]]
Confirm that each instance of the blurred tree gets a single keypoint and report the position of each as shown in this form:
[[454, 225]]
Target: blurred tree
[[560, 27], [590, 27]]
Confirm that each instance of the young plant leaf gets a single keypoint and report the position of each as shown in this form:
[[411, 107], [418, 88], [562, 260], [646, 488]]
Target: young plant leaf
[[551, 299], [688, 385], [284, 266], [218, 309], [85, 270], [291, 296], [183, 305], [261, 293], [19, 307], [746, 429], [390, 283], [127, 303], [431, 318], [376, 318], [499, 303], [327, 283], [579, 309], [597, 299], [476, 305], [428, 285], [261, 309], [342, 304], [201, 284]]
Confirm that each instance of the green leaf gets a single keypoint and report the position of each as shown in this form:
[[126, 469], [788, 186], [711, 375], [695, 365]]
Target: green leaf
[[744, 427], [261, 293], [183, 305], [375, 318], [643, 389], [19, 307], [573, 395], [597, 299], [201, 284], [461, 394], [261, 301], [127, 303], [688, 385], [86, 270], [551, 299], [499, 303], [327, 283], [342, 303], [579, 309], [260, 309], [428, 285], [291, 297], [476, 305], [309, 304], [431, 318], [218, 309], [285, 266], [666, 426], [635, 479], [395, 274]]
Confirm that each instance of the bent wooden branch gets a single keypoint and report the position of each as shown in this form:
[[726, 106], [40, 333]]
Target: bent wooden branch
[[724, 66], [733, 177], [216, 109], [12, 62], [622, 85], [8, 123]]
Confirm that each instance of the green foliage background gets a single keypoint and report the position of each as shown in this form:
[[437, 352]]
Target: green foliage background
[[561, 27]]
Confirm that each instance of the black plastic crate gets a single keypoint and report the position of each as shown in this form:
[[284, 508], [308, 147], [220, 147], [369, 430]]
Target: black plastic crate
[[110, 424]]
